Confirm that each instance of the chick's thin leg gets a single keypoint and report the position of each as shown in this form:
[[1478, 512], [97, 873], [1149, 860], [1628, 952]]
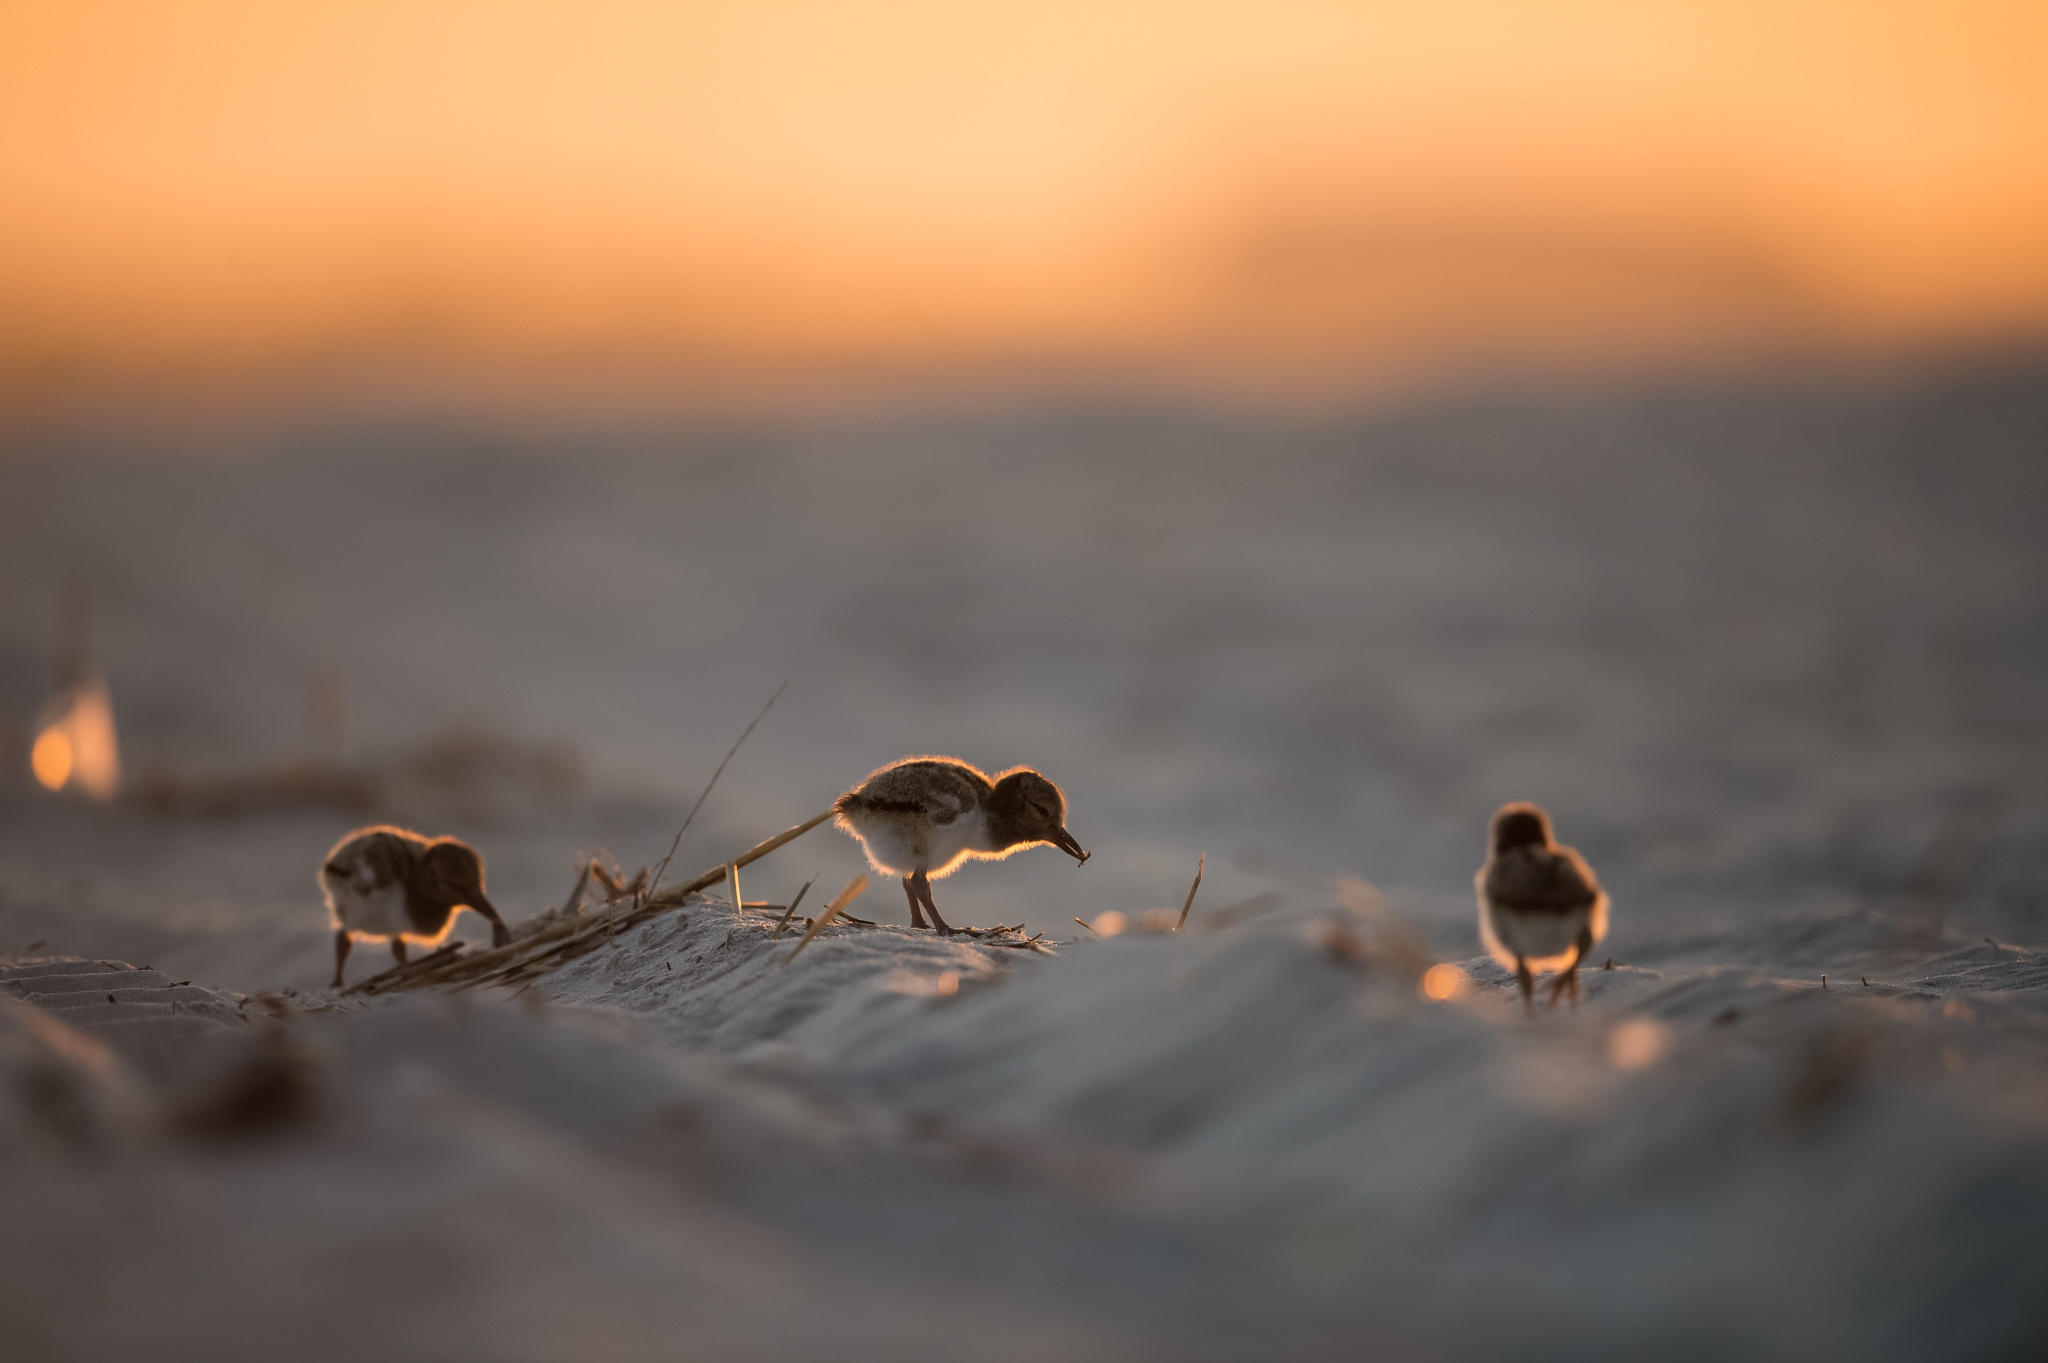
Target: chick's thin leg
[[924, 888], [1568, 979], [341, 946], [916, 906]]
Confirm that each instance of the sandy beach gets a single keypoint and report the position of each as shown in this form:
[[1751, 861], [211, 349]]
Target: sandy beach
[[1769, 648]]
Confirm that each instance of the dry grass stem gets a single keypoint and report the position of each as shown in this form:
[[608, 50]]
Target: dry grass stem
[[854, 889], [1201, 863], [791, 910], [661, 868]]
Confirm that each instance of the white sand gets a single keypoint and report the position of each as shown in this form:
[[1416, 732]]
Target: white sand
[[1216, 1145]]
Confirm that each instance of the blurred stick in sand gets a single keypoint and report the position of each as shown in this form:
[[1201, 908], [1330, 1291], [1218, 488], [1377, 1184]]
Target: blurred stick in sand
[[1201, 863]]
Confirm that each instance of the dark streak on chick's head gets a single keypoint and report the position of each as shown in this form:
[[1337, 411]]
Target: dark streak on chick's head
[[1520, 824]]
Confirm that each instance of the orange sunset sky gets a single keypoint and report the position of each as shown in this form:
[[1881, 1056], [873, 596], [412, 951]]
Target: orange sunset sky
[[1267, 190]]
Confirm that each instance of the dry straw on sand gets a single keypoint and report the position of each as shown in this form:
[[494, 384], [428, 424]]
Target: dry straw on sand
[[854, 889], [562, 935], [565, 937], [790, 912], [567, 934]]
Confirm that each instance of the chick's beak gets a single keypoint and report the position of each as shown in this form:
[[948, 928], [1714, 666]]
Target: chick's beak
[[1064, 840]]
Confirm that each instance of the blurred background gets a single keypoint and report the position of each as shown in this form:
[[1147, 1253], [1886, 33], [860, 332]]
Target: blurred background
[[1297, 428], [1279, 198]]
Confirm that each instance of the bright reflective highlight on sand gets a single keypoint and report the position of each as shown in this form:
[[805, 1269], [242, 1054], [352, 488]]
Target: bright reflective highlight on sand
[[51, 759], [77, 746], [1444, 982], [1636, 1044]]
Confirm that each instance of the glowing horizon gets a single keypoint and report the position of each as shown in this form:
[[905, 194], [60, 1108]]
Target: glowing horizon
[[233, 187]]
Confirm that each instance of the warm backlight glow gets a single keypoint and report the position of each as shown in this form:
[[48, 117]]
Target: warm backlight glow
[[1110, 923], [1444, 982], [1637, 1044], [1209, 185], [77, 745], [51, 759]]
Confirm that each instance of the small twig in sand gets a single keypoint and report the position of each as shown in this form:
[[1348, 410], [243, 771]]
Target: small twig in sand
[[662, 866], [1084, 923], [1022, 943], [798, 899], [846, 896], [732, 885], [1188, 903]]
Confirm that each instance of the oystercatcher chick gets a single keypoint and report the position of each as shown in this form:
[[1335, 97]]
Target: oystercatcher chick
[[1539, 906], [920, 818], [386, 882]]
